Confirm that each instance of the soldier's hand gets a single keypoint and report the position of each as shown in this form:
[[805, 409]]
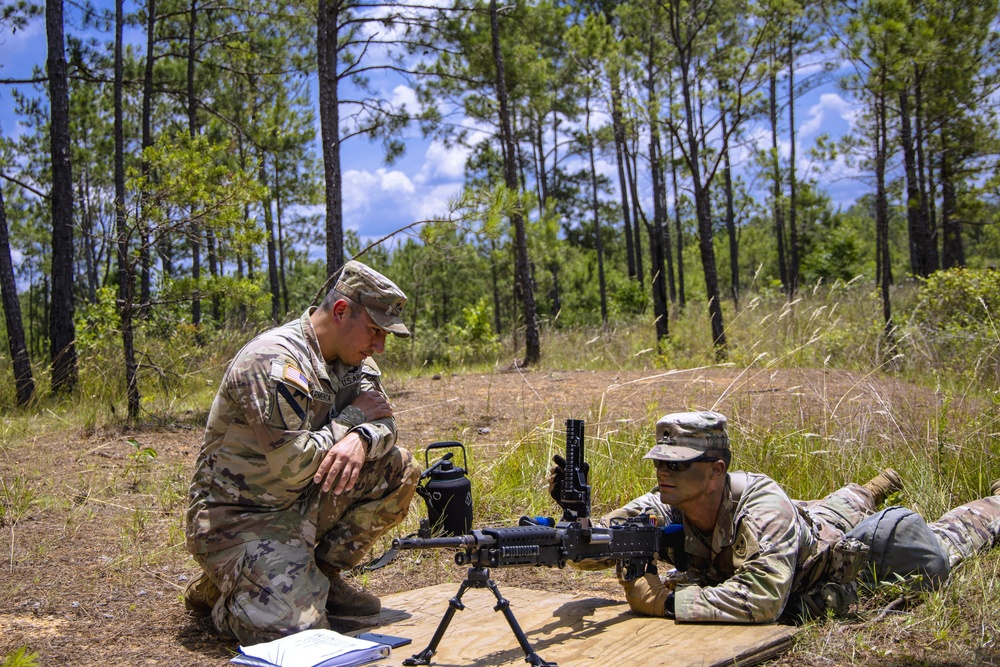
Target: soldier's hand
[[374, 404], [342, 464], [647, 595], [556, 477]]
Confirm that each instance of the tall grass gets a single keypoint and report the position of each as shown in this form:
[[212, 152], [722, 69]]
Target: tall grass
[[834, 326], [930, 409]]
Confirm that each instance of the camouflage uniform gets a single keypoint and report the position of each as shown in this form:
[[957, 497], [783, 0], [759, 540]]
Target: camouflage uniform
[[769, 554], [256, 522], [765, 548]]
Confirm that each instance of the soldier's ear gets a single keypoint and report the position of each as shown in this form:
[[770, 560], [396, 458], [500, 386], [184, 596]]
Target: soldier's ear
[[340, 308]]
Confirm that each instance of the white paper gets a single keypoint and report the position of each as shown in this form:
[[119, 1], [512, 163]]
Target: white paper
[[315, 648]]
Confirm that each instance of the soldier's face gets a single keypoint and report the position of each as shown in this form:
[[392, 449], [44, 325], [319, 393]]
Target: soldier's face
[[678, 487], [361, 337]]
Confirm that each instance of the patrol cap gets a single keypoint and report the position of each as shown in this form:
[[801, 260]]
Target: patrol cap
[[380, 296], [682, 436]]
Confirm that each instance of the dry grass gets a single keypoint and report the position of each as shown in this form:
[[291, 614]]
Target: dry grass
[[91, 516]]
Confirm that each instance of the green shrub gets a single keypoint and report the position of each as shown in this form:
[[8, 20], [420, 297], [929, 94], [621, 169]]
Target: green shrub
[[960, 300]]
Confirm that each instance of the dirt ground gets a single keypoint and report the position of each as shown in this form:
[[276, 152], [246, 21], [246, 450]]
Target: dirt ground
[[93, 574]]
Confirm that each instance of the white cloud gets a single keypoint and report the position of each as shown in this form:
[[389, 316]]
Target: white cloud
[[362, 188], [404, 95], [382, 201], [827, 115], [442, 162]]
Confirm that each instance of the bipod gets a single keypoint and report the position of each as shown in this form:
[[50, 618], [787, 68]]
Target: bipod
[[478, 577]]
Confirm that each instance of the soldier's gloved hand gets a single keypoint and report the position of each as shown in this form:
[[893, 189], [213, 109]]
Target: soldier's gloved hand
[[556, 476], [647, 595], [621, 513]]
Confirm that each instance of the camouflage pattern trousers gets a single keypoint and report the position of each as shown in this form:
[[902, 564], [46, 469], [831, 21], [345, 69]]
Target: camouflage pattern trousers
[[270, 587], [969, 529], [964, 531]]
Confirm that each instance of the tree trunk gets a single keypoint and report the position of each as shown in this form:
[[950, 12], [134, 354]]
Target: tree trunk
[[538, 161], [779, 218], [793, 229], [884, 270], [272, 254], [24, 383], [630, 174], [532, 342], [704, 214], [597, 219], [734, 247], [678, 229], [919, 234], [89, 238], [126, 275], [282, 273], [495, 282], [145, 289], [619, 134], [327, 51], [213, 271], [926, 207], [195, 230], [656, 250], [953, 251], [62, 331]]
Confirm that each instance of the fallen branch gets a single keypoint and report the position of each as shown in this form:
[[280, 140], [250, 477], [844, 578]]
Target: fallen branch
[[898, 602]]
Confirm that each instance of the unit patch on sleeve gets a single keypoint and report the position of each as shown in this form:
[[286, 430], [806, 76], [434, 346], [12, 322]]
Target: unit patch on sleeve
[[291, 396]]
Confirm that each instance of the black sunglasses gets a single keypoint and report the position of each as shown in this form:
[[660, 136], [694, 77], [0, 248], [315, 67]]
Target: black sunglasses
[[682, 466]]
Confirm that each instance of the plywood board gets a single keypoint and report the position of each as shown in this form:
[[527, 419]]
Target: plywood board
[[571, 630]]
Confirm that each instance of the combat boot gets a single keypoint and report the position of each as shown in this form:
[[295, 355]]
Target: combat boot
[[346, 600], [200, 595], [995, 487], [884, 483]]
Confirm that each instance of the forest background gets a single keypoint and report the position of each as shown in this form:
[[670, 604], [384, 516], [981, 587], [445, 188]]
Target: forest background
[[635, 196], [172, 186]]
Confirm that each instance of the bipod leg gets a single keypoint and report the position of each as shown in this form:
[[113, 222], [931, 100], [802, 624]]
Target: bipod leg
[[503, 605], [455, 604]]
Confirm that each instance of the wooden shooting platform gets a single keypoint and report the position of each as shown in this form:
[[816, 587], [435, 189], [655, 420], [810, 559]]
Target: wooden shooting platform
[[571, 630]]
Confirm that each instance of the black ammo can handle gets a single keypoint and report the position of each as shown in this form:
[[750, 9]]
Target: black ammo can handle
[[445, 445]]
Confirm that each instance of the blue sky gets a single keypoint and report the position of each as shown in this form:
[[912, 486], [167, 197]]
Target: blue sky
[[380, 199]]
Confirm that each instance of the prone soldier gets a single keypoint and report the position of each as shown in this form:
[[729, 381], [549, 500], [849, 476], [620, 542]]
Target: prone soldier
[[751, 554]]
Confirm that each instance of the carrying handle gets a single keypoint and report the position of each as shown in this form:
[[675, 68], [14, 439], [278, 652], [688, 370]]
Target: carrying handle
[[445, 445]]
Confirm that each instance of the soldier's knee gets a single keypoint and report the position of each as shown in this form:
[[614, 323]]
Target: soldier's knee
[[411, 470], [403, 470], [255, 612]]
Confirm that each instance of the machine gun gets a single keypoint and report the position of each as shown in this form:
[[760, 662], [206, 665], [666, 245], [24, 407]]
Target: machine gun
[[632, 543]]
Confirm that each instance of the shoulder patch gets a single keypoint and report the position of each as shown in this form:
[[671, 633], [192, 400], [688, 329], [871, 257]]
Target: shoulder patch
[[296, 378], [746, 545]]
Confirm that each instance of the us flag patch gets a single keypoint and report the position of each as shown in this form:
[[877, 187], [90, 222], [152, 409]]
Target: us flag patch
[[296, 377]]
